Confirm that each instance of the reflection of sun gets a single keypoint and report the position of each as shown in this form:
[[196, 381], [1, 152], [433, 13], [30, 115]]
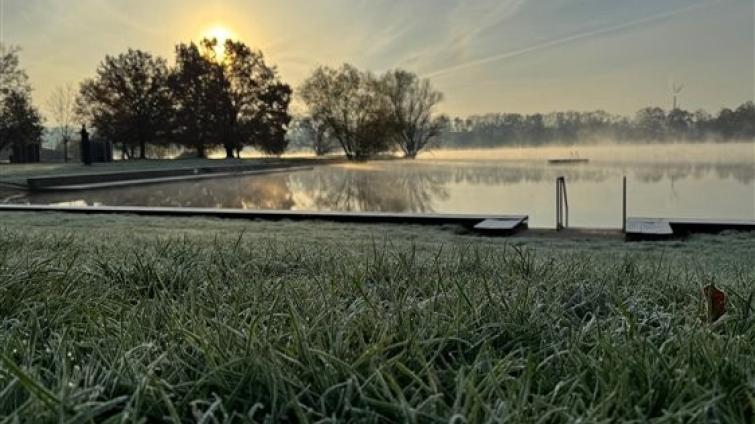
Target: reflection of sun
[[220, 33]]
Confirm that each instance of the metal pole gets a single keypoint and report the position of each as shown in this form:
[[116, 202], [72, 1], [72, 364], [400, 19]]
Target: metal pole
[[558, 204], [566, 202], [624, 206]]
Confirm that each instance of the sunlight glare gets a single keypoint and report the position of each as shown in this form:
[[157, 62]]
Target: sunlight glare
[[220, 33]]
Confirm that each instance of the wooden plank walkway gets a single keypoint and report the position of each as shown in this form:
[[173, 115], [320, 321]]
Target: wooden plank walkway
[[513, 222]]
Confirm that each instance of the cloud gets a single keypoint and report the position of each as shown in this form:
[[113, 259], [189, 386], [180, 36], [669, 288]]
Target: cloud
[[64, 40], [444, 33], [568, 39]]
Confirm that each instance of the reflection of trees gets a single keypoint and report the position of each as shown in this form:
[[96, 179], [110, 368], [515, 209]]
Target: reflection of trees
[[402, 189], [523, 173], [269, 191], [741, 172], [485, 173], [396, 186]]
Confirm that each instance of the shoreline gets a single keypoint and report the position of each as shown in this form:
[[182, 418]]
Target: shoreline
[[510, 226]]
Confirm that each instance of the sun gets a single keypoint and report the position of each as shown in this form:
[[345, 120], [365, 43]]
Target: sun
[[220, 33]]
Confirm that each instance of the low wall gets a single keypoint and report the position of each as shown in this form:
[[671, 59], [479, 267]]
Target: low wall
[[50, 182]]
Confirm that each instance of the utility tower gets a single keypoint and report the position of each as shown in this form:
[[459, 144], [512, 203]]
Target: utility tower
[[675, 90]]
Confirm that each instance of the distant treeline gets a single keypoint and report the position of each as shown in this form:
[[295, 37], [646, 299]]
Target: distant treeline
[[224, 96], [651, 124], [228, 97]]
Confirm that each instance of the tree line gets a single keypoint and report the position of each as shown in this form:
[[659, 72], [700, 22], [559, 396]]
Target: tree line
[[136, 100], [235, 99], [203, 102], [651, 124], [207, 101], [365, 114]]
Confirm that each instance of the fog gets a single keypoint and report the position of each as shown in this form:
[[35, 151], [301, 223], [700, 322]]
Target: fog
[[680, 180], [609, 152]]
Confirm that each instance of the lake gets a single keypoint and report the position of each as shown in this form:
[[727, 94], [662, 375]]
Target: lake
[[669, 180]]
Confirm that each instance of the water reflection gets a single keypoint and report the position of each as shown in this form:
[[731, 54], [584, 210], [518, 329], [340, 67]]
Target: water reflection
[[402, 189], [536, 172], [264, 192], [482, 186]]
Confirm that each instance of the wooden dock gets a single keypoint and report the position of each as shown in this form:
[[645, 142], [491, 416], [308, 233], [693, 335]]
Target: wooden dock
[[662, 228], [490, 224]]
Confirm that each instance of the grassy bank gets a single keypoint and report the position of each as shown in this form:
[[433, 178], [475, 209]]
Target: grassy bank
[[123, 318]]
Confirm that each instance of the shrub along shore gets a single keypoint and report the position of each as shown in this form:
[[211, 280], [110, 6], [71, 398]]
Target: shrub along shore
[[112, 318]]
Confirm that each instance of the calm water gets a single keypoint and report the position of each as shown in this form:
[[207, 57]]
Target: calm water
[[685, 181]]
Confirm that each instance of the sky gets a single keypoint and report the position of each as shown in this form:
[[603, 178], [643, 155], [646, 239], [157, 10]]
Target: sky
[[521, 56]]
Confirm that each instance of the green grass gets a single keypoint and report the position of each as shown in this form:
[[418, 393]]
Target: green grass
[[127, 319]]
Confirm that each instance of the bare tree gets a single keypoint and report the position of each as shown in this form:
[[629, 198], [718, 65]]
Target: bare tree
[[62, 108], [351, 107], [412, 103], [316, 133]]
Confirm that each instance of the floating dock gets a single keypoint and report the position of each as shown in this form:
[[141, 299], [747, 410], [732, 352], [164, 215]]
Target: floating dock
[[567, 161]]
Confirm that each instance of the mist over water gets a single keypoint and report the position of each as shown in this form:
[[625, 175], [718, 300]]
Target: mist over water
[[668, 180], [609, 151]]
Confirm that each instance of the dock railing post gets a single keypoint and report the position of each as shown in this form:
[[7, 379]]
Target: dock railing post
[[566, 202], [558, 205], [624, 206], [562, 204]]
